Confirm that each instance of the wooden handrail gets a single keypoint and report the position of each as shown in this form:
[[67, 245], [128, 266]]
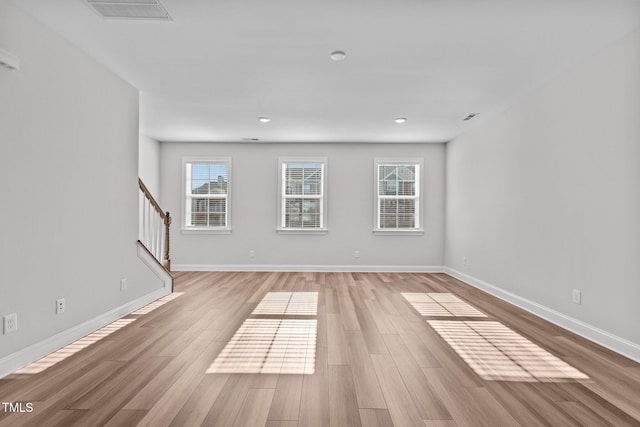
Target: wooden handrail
[[166, 220], [148, 195]]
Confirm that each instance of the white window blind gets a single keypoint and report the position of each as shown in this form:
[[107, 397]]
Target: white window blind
[[207, 194], [398, 196], [302, 195]]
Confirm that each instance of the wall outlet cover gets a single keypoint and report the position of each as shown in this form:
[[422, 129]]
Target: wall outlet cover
[[10, 323], [577, 296], [61, 306]]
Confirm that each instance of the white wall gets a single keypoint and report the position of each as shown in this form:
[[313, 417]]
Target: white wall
[[350, 210], [149, 164], [545, 198], [68, 185]]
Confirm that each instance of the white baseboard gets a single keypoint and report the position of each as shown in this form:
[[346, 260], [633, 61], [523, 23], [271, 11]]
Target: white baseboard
[[21, 358], [312, 268], [613, 342]]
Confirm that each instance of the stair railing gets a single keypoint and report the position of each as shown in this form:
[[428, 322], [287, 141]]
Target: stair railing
[[154, 227]]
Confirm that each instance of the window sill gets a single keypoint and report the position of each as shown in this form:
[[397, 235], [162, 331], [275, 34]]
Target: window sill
[[302, 231], [205, 231], [398, 232]]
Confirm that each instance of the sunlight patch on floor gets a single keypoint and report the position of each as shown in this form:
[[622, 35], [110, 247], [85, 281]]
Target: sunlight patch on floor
[[65, 352], [156, 304], [495, 352], [288, 304], [71, 349], [441, 304], [270, 346]]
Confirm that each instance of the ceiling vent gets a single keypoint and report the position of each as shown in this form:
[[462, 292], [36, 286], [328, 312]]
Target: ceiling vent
[[146, 10]]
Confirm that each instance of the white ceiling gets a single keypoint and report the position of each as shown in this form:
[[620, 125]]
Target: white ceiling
[[209, 74]]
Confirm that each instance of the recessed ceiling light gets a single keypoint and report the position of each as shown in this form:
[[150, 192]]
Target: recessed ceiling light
[[338, 55], [400, 120], [264, 119]]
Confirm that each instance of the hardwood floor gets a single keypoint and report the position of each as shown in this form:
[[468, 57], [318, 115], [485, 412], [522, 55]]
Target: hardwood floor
[[378, 357]]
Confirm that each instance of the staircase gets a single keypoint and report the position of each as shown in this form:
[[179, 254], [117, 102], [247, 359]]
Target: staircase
[[154, 228]]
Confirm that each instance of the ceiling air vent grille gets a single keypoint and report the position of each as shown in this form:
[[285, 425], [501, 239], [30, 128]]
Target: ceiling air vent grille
[[131, 9]]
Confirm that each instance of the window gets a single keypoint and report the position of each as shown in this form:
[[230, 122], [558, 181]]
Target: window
[[398, 195], [302, 195], [207, 194]]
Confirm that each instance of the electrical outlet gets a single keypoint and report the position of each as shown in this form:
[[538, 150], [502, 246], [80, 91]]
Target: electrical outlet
[[464, 260], [123, 284], [61, 306], [356, 254], [577, 296], [10, 323], [252, 253]]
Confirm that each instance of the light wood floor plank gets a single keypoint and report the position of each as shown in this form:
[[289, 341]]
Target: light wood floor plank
[[336, 340], [314, 404], [105, 402], [425, 399], [364, 375], [255, 408], [343, 405], [420, 352], [440, 423], [583, 416], [399, 402], [231, 399], [368, 325], [192, 354], [126, 418], [176, 394], [286, 401], [349, 317], [468, 406], [375, 418], [130, 377], [278, 423], [196, 408], [383, 324]]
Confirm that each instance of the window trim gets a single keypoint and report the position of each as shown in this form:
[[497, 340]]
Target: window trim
[[419, 162], [187, 229], [280, 228]]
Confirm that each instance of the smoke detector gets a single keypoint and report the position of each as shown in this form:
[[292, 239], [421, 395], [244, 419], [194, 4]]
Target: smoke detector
[[338, 55]]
